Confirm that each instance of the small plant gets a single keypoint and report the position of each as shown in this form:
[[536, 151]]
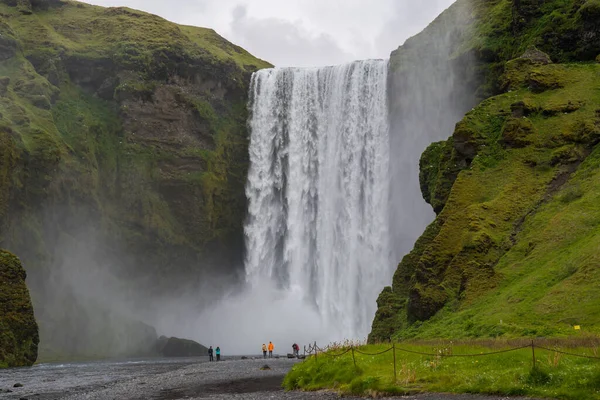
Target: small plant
[[537, 377], [407, 374], [554, 359]]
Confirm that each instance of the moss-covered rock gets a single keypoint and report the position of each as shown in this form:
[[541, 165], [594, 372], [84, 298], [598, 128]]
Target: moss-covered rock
[[18, 329], [516, 132]]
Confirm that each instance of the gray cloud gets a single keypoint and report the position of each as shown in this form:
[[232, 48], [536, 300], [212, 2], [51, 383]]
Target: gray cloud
[[290, 44]]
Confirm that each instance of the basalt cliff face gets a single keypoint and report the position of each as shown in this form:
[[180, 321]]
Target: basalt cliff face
[[513, 249], [123, 159]]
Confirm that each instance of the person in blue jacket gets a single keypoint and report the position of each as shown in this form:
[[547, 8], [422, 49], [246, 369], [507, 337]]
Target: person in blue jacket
[[218, 353]]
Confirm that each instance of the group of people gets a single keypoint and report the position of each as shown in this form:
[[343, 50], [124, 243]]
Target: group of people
[[271, 347], [216, 351]]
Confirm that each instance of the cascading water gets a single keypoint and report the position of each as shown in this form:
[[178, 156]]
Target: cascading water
[[318, 188]]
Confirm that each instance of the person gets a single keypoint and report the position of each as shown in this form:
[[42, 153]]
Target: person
[[218, 353], [210, 354], [264, 349], [295, 349], [271, 347]]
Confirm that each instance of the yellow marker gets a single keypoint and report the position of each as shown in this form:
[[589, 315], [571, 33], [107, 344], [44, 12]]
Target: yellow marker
[[577, 327]]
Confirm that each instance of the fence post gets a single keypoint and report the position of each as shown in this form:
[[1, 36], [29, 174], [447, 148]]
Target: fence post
[[394, 351], [533, 352], [316, 351], [353, 358], [304, 351]]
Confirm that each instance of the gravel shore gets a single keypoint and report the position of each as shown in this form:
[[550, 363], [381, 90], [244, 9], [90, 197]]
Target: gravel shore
[[168, 380]]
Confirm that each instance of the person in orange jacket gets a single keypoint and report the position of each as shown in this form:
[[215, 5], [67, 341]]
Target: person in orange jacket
[[271, 347]]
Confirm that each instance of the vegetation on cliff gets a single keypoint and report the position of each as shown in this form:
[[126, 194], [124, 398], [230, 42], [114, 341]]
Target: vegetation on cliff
[[18, 330], [512, 251], [119, 128]]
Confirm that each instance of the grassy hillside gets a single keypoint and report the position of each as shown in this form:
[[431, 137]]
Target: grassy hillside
[[512, 251], [124, 150]]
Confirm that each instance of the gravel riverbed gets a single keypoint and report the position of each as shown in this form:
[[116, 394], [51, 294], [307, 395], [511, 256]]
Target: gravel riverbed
[[165, 379]]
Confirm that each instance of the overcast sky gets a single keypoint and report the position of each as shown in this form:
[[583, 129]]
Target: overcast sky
[[302, 32]]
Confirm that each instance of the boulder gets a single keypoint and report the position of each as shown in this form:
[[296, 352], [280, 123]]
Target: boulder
[[8, 45], [19, 336], [4, 82], [516, 131], [536, 56], [176, 347]]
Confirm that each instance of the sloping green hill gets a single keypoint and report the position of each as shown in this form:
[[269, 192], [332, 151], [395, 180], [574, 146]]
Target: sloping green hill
[[513, 250], [123, 152]]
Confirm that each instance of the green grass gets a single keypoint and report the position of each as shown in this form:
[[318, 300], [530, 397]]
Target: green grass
[[513, 251], [506, 374], [132, 36]]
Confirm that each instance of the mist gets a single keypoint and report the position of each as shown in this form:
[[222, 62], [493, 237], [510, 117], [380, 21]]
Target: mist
[[241, 322], [430, 90]]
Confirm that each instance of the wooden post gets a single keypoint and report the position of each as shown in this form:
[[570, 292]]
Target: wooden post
[[353, 358], [533, 353], [316, 351], [394, 351], [304, 351]]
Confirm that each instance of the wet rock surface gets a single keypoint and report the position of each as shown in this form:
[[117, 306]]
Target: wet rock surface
[[166, 379]]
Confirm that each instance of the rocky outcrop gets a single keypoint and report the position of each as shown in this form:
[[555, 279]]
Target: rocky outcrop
[[125, 157], [18, 329], [175, 347]]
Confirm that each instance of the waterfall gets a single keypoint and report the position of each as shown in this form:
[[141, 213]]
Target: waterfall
[[318, 188]]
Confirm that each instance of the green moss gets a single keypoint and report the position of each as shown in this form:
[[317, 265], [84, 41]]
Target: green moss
[[18, 329]]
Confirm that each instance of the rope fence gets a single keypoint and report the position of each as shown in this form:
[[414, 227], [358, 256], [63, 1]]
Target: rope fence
[[314, 349]]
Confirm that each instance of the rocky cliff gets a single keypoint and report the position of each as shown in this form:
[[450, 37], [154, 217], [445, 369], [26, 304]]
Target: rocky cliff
[[18, 330], [122, 165], [512, 250]]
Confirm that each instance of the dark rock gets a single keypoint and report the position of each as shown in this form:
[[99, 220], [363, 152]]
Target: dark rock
[[516, 131], [18, 385], [175, 347], [522, 109], [290, 355], [301, 357], [244, 358], [8, 46], [4, 82], [19, 336], [24, 7], [265, 368], [465, 140], [5, 391], [536, 56]]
